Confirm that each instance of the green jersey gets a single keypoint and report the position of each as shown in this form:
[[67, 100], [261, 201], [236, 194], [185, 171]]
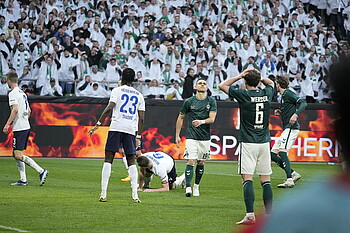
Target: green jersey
[[120, 58], [254, 113], [198, 110], [289, 104]]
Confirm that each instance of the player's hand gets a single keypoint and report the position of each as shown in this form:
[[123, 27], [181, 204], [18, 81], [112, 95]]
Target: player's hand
[[278, 112], [6, 129], [138, 142], [91, 131], [197, 123], [177, 140], [293, 119], [245, 72]]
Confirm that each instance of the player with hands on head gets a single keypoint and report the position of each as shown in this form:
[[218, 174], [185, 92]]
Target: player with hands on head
[[254, 155]]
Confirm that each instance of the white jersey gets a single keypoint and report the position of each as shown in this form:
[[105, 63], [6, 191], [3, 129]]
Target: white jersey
[[125, 113], [162, 164], [21, 122]]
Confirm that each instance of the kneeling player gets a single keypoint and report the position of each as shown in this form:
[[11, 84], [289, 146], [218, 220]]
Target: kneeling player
[[162, 165]]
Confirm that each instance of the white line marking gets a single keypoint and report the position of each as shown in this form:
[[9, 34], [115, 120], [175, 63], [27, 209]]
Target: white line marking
[[13, 229]]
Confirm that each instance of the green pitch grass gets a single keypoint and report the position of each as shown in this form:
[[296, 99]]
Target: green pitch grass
[[68, 202]]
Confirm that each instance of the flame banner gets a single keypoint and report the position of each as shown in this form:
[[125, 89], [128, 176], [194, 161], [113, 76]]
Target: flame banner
[[59, 129]]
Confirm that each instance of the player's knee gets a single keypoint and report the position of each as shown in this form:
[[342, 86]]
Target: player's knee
[[200, 162], [264, 178], [130, 159], [190, 162], [274, 151], [17, 155], [109, 156]]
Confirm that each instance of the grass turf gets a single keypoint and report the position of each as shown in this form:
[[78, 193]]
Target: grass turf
[[68, 202]]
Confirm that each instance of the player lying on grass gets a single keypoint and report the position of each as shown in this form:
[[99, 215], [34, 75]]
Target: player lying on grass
[[162, 165]]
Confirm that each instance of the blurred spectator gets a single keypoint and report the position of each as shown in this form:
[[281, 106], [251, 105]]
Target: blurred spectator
[[174, 92], [95, 90], [4, 67], [277, 37], [51, 89], [48, 71], [66, 73], [155, 90], [4, 88]]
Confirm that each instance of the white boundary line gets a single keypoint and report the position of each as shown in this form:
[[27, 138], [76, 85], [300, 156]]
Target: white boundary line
[[13, 229]]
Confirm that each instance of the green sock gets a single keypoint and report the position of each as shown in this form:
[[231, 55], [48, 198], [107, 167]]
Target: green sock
[[199, 173], [267, 196], [286, 162], [249, 196], [278, 161], [189, 175]]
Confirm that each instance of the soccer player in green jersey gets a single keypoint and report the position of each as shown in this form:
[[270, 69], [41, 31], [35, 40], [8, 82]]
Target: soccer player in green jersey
[[254, 156], [291, 107], [201, 110]]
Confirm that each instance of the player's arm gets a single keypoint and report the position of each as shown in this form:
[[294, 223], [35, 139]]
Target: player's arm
[[225, 85], [179, 123], [14, 111], [267, 81], [165, 188], [141, 114], [103, 116], [141, 177], [210, 120], [302, 105], [29, 111]]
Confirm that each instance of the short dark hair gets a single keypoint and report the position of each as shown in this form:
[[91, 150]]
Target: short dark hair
[[128, 76], [252, 78], [143, 161], [283, 81], [12, 77], [201, 79]]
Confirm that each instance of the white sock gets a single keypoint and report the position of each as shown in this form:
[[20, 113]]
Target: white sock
[[133, 180], [250, 214], [30, 162], [179, 180], [125, 163], [22, 170], [106, 173], [147, 180]]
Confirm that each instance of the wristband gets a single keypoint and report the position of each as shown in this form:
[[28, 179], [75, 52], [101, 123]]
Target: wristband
[[202, 122], [164, 182], [138, 136], [98, 123]]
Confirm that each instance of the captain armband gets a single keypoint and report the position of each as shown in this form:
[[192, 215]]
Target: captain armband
[[165, 182]]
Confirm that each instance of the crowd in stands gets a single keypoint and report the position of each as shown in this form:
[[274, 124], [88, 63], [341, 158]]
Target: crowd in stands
[[80, 47]]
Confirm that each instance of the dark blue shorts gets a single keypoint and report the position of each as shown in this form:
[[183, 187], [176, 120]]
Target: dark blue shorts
[[20, 139], [118, 140]]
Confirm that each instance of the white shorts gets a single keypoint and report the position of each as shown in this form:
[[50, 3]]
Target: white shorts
[[195, 149], [254, 157], [286, 140]]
